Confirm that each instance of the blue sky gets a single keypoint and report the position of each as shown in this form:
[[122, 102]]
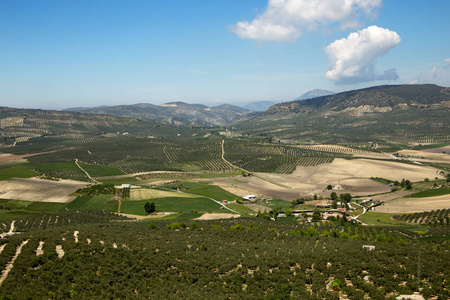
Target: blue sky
[[59, 54]]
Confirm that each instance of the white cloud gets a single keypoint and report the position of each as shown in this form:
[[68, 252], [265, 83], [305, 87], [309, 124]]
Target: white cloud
[[433, 73], [286, 20], [352, 59]]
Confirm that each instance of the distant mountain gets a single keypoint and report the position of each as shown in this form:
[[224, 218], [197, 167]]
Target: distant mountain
[[178, 113], [314, 94], [402, 113], [259, 105]]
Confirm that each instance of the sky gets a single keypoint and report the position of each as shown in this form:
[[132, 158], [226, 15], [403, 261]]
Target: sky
[[56, 54]]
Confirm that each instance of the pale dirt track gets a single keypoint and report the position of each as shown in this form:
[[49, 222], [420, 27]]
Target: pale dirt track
[[354, 175], [217, 216], [39, 190]]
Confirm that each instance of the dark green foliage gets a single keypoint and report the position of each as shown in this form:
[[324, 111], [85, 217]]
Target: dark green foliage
[[152, 226], [316, 215], [215, 261], [20, 172], [150, 207], [346, 197], [97, 189], [438, 217]]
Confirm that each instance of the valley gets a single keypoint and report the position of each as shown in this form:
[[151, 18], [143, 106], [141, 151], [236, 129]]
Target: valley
[[268, 201]]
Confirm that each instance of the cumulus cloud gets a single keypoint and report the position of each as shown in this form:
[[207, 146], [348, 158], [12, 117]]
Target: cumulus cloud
[[433, 73], [352, 59], [286, 20]]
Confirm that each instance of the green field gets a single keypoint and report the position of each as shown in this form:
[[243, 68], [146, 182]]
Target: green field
[[68, 166], [380, 219], [199, 204], [429, 193], [277, 203], [20, 172], [241, 209], [210, 191], [101, 170], [19, 208], [100, 202]]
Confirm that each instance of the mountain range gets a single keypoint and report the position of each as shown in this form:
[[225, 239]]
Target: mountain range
[[381, 114], [178, 113], [405, 113]]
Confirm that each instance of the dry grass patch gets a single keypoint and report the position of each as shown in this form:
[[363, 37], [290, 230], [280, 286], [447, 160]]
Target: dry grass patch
[[144, 194], [412, 205], [33, 189], [217, 216]]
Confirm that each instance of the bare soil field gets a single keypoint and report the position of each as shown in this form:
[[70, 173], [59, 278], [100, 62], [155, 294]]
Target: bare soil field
[[39, 190], [412, 205], [427, 155], [143, 194], [354, 175], [255, 186], [217, 216], [12, 158], [439, 150], [6, 158]]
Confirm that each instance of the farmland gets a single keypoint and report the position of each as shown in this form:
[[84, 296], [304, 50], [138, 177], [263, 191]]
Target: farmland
[[59, 192], [96, 256]]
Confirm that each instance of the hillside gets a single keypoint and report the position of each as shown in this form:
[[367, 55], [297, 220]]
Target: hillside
[[402, 113], [97, 255], [22, 124], [178, 113]]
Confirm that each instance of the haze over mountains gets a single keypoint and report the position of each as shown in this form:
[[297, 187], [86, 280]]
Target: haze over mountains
[[314, 94], [405, 113], [178, 113], [181, 113]]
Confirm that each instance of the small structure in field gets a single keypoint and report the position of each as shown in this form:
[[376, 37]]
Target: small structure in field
[[124, 190], [251, 198], [368, 247]]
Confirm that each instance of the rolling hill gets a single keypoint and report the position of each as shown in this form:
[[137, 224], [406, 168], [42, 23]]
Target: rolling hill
[[22, 124], [401, 113]]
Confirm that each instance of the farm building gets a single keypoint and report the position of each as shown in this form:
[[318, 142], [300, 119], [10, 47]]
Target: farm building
[[123, 190], [250, 198], [366, 201]]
